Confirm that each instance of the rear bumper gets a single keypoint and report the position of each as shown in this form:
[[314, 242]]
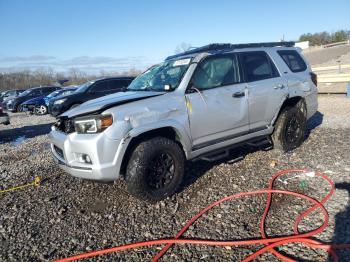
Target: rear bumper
[[311, 103], [10, 107], [103, 152]]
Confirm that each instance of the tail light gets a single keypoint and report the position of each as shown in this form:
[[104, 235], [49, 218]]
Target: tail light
[[313, 78]]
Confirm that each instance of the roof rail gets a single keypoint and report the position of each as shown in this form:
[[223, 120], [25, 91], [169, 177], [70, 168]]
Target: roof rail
[[226, 47]]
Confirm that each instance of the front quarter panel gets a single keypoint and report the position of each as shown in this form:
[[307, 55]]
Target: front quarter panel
[[133, 119]]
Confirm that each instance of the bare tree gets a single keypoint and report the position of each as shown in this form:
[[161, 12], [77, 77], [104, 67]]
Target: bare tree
[[27, 79]]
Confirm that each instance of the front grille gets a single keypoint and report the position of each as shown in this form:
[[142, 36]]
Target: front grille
[[65, 125], [59, 151]]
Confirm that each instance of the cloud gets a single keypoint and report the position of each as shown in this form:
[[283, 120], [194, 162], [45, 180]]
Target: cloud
[[88, 64], [34, 58]]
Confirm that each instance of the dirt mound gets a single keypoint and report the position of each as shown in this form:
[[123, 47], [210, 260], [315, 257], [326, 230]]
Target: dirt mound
[[327, 55]]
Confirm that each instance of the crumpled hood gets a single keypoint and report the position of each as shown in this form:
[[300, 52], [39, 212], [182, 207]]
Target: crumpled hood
[[105, 102]]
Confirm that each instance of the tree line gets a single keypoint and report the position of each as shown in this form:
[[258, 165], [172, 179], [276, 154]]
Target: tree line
[[27, 79], [324, 38]]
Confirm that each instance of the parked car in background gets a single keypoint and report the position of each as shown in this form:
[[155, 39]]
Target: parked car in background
[[8, 95], [14, 105], [89, 90], [29, 105], [39, 105], [58, 93], [4, 118]]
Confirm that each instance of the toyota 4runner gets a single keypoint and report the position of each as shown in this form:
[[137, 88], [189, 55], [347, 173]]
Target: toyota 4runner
[[197, 104]]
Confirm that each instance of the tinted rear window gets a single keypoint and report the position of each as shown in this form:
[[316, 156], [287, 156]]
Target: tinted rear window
[[293, 60], [116, 84], [258, 66]]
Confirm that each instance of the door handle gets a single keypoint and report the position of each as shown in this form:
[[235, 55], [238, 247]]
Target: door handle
[[238, 94], [279, 86]]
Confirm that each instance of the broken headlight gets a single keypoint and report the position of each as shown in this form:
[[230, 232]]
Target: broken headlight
[[92, 124]]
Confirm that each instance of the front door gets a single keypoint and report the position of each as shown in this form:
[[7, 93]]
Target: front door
[[217, 101]]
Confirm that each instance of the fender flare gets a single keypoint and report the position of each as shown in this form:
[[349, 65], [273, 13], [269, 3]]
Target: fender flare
[[182, 136]]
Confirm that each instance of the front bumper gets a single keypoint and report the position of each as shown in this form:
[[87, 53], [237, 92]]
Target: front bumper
[[4, 118], [104, 154], [56, 110]]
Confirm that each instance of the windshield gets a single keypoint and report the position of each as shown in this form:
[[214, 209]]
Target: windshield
[[53, 94], [158, 76], [67, 92], [83, 87], [26, 92]]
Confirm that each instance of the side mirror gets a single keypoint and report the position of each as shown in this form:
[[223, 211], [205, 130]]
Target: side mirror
[[191, 89], [168, 88]]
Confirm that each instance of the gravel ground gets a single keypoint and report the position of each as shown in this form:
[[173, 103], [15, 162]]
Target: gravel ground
[[67, 216]]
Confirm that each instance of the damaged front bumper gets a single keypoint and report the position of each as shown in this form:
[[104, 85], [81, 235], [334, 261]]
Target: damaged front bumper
[[88, 156]]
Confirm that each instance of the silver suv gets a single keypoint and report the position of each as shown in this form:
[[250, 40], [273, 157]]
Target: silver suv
[[197, 104]]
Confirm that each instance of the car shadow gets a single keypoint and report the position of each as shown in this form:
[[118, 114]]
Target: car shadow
[[22, 133], [341, 234], [196, 169], [315, 121]]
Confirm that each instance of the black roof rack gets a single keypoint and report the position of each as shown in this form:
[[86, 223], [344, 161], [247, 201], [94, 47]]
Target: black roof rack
[[227, 47]]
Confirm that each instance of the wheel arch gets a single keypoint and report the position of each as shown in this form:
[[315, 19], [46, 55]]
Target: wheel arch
[[137, 136], [298, 101]]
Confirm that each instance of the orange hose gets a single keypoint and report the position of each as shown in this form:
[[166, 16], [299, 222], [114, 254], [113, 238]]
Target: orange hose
[[270, 243]]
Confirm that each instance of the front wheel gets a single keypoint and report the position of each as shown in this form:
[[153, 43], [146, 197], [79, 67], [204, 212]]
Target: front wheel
[[40, 110], [155, 169], [289, 130]]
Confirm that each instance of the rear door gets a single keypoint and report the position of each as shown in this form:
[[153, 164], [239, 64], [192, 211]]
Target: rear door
[[216, 101], [267, 90], [98, 89]]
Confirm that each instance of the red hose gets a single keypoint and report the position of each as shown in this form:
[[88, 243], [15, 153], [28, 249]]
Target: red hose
[[270, 243]]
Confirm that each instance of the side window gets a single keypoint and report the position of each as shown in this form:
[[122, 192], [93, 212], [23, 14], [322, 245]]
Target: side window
[[35, 92], [101, 86], [216, 71], [257, 66], [11, 93], [293, 60], [48, 90], [117, 84]]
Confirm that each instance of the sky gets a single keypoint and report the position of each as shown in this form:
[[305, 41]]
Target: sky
[[114, 35]]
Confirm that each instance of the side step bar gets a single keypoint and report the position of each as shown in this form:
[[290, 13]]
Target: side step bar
[[262, 142]]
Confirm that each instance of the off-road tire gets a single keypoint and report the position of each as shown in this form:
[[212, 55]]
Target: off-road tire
[[280, 135], [138, 168]]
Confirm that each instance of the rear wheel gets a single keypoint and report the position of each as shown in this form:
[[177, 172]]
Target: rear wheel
[[155, 169], [290, 129]]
